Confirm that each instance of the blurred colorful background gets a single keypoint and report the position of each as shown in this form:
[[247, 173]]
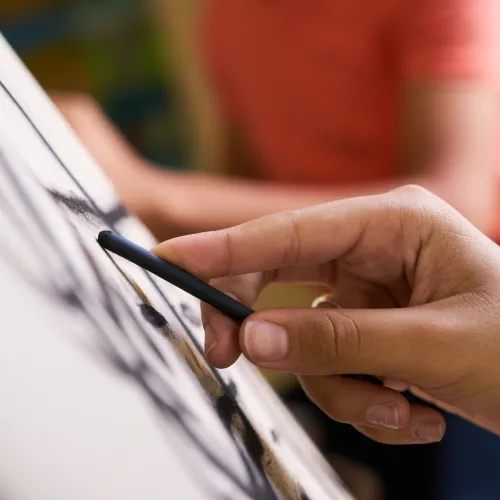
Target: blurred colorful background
[[117, 51], [110, 50]]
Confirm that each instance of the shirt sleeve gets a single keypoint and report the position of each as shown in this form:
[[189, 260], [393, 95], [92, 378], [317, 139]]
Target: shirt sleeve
[[452, 39]]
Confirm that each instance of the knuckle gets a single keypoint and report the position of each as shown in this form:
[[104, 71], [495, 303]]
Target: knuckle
[[337, 338], [292, 246], [227, 253], [418, 210], [414, 192], [416, 198]]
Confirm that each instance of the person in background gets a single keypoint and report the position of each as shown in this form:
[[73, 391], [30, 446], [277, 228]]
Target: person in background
[[324, 100], [318, 101]]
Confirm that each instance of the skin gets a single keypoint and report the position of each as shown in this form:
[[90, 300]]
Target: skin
[[445, 128], [420, 293]]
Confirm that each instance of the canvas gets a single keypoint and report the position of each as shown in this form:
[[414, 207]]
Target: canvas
[[105, 392]]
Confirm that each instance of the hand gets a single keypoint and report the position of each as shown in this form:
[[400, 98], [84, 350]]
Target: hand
[[420, 289], [150, 193]]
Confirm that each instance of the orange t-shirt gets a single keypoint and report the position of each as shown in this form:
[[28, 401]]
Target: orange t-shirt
[[314, 86]]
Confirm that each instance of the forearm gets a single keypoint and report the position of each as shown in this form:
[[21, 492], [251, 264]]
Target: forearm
[[209, 202]]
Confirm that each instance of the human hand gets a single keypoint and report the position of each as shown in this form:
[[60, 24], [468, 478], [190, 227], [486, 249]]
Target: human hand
[[420, 290]]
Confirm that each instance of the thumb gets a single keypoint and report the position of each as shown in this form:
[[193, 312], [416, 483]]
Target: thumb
[[404, 344]]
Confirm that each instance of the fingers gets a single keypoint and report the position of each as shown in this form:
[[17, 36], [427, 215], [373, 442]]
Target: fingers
[[303, 237], [221, 333], [222, 348], [379, 413], [396, 385], [357, 403], [400, 344], [425, 426], [476, 419], [313, 235], [328, 301]]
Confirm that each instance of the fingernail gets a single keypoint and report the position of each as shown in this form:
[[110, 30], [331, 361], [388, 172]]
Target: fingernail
[[383, 415], [430, 432], [210, 339], [265, 341]]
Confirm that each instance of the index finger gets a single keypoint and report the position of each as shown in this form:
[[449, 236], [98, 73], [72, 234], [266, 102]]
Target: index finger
[[302, 237]]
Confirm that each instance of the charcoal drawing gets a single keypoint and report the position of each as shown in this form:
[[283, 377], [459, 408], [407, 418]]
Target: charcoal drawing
[[139, 333]]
